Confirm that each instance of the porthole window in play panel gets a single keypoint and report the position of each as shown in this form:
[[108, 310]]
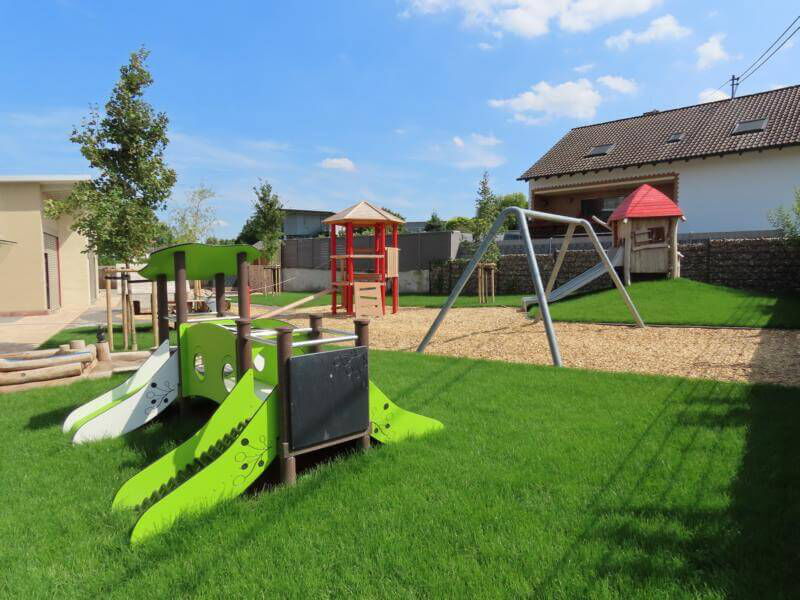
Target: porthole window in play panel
[[228, 377], [199, 367]]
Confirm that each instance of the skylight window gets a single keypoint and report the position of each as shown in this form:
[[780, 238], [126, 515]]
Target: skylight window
[[601, 150], [675, 137], [749, 126]]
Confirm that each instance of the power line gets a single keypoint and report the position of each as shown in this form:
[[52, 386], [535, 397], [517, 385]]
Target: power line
[[744, 73], [735, 80], [771, 54]]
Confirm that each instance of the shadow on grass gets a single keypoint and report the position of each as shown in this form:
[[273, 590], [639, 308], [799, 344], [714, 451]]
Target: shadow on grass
[[745, 548], [783, 314], [51, 418]]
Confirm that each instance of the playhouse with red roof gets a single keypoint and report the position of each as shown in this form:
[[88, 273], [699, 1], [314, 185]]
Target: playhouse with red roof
[[646, 225]]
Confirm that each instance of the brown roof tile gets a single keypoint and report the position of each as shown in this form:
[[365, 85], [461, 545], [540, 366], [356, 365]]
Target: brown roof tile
[[706, 128]]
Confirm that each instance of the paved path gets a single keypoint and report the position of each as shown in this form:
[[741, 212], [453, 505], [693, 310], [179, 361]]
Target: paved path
[[28, 333]]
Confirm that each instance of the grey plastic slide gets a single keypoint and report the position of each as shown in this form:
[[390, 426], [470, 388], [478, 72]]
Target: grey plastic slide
[[576, 283]]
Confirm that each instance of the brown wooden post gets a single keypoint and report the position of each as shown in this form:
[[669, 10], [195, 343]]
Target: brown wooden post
[[362, 332], [244, 347], [315, 323], [284, 352], [154, 311], [219, 293], [179, 262], [162, 301]]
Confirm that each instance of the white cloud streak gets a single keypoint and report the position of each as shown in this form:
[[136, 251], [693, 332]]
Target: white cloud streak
[[544, 101], [619, 84], [660, 29], [339, 164], [532, 18], [711, 52]]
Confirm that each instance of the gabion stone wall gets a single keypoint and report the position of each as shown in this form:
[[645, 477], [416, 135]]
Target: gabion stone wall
[[769, 265]]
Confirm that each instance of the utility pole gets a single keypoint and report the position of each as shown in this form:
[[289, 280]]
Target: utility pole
[[734, 85]]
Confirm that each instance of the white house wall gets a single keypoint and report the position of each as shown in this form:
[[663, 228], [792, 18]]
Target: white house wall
[[729, 193]]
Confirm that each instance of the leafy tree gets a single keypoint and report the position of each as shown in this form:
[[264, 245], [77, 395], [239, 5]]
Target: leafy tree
[[215, 241], [486, 210], [787, 220], [459, 224], [515, 199], [434, 223], [115, 211], [266, 223], [164, 236], [195, 219]]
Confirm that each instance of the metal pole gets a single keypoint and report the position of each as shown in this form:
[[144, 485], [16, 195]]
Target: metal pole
[[544, 308], [522, 225], [244, 347], [284, 353]]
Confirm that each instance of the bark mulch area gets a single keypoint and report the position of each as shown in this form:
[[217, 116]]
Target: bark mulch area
[[745, 355]]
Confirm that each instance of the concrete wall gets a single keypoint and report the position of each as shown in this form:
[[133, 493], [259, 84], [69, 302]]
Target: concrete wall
[[717, 194], [22, 263], [304, 280]]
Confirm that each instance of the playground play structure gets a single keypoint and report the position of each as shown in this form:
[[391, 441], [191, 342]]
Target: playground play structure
[[644, 240], [522, 215], [363, 293], [280, 394]]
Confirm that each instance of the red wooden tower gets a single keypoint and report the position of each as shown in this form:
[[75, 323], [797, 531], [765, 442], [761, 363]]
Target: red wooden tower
[[364, 292]]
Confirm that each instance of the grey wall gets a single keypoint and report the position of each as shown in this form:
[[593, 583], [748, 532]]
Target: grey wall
[[417, 250]]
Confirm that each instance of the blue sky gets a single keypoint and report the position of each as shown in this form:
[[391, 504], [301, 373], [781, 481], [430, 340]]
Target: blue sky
[[400, 102]]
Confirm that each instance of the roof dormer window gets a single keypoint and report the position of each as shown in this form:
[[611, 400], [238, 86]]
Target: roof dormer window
[[750, 126], [601, 150], [675, 137]]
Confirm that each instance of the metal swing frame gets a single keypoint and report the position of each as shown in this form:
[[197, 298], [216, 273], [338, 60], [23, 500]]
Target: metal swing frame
[[523, 215]]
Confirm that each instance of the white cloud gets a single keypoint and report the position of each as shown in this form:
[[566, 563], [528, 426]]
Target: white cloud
[[532, 18], [712, 95], [400, 131], [576, 99], [584, 15], [470, 152], [662, 28], [583, 68], [485, 140], [339, 164], [485, 46], [619, 84], [711, 52]]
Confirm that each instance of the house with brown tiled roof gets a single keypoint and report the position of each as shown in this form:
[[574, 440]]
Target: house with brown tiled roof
[[725, 163]]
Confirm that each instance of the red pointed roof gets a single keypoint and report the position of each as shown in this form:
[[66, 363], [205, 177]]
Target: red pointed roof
[[644, 202]]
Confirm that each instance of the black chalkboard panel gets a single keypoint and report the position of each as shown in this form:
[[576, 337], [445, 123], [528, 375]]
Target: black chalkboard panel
[[328, 396]]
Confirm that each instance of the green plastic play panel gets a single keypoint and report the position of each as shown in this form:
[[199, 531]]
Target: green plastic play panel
[[240, 439], [203, 261]]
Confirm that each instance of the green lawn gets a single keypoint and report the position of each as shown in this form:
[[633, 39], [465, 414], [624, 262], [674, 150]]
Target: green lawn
[[417, 300], [545, 483], [682, 302], [144, 336]]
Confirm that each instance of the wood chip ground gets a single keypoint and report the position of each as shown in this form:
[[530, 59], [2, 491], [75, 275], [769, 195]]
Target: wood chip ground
[[745, 355]]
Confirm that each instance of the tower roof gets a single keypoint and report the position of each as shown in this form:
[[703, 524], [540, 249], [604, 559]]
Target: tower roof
[[644, 202], [362, 213]]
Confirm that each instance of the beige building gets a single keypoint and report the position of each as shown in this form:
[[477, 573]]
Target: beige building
[[43, 263]]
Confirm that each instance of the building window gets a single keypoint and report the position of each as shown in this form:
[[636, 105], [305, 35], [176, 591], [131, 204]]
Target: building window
[[656, 235], [675, 137], [601, 150], [750, 126]]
